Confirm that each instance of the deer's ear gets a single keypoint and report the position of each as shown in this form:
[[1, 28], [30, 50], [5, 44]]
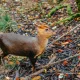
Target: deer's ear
[[41, 25]]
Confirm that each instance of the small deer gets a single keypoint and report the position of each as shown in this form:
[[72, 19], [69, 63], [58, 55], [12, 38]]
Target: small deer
[[20, 45]]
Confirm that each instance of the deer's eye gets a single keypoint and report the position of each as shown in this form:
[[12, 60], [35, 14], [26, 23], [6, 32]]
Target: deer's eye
[[46, 29]]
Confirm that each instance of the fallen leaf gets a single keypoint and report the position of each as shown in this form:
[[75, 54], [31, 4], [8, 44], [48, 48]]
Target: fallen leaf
[[69, 40], [45, 70], [66, 75], [57, 43], [19, 26], [10, 62], [61, 18], [78, 75], [65, 63], [22, 78], [17, 62], [78, 65], [78, 45], [61, 76], [65, 43], [7, 78], [3, 1], [17, 78], [77, 19], [79, 57], [60, 50], [68, 36], [37, 78], [54, 27]]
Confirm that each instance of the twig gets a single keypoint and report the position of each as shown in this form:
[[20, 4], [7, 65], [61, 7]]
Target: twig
[[48, 65], [69, 18], [60, 6], [3, 65], [65, 34], [61, 60], [54, 57]]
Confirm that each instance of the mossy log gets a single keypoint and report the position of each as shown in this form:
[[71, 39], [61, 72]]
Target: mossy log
[[60, 6], [69, 18], [78, 4]]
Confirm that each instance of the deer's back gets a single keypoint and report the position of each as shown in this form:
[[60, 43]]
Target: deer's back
[[19, 45]]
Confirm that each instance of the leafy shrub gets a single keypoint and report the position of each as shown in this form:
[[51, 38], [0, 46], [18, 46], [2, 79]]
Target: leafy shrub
[[6, 23]]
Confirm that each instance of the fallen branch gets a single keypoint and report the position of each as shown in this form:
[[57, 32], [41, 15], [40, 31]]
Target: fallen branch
[[54, 57], [54, 10], [48, 65], [69, 10], [65, 34], [69, 18]]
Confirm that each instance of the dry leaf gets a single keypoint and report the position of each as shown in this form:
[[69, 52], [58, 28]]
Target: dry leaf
[[79, 57], [4, 1], [65, 63], [61, 76], [54, 27], [17, 78], [78, 75], [17, 62], [78, 45], [57, 43], [19, 26], [77, 19], [60, 50], [7, 78], [45, 70], [22, 78], [66, 75], [10, 62], [37, 78], [65, 43], [69, 40], [78, 65], [68, 36]]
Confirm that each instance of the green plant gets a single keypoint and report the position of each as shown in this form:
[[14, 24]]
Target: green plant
[[6, 23]]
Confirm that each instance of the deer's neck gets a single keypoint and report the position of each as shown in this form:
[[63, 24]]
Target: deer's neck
[[42, 41]]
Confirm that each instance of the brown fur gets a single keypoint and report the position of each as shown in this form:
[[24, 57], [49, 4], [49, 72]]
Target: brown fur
[[31, 47]]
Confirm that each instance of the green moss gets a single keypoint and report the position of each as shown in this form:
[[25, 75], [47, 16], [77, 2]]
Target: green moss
[[78, 4]]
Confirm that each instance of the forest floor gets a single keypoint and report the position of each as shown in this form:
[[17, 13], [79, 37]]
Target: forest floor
[[65, 47]]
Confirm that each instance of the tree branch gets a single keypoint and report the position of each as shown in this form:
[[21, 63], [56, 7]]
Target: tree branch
[[65, 34], [48, 65]]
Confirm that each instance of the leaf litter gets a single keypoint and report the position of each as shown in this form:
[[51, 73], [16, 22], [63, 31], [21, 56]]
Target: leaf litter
[[65, 47]]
